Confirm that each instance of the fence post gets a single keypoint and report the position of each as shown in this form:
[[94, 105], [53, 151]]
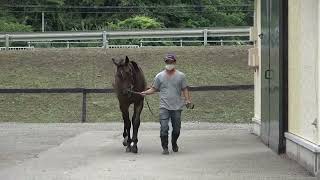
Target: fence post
[[42, 21], [68, 44], [29, 44], [205, 37], [7, 42], [180, 42], [84, 107], [104, 39], [221, 42], [141, 43]]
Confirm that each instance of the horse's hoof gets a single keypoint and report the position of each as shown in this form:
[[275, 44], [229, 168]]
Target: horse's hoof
[[134, 149], [128, 149], [125, 141]]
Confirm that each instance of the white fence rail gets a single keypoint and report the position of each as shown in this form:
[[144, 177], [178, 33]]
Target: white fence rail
[[16, 48], [123, 46], [105, 36]]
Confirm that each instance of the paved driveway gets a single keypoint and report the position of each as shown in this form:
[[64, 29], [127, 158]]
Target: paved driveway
[[95, 151]]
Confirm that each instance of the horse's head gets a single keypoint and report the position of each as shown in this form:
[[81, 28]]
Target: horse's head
[[124, 76]]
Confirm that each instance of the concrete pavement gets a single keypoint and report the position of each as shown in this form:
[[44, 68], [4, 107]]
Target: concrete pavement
[[207, 151]]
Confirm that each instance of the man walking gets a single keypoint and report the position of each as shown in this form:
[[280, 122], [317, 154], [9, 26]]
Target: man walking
[[170, 83]]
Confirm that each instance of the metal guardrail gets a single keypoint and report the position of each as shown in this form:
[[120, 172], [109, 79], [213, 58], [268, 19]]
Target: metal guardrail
[[105, 36], [181, 42], [85, 91], [142, 43]]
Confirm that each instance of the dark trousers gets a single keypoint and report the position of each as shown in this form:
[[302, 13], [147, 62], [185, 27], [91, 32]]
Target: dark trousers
[[165, 117]]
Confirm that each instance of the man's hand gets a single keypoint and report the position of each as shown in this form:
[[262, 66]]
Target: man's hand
[[148, 92], [143, 93], [189, 105]]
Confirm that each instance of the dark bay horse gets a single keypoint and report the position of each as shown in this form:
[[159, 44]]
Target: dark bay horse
[[129, 78]]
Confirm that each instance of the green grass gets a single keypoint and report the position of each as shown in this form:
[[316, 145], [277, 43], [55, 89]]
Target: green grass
[[93, 68]]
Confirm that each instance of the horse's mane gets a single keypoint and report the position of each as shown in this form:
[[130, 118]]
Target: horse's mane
[[135, 66], [138, 73]]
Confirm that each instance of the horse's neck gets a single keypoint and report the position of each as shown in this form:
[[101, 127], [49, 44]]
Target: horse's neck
[[139, 81]]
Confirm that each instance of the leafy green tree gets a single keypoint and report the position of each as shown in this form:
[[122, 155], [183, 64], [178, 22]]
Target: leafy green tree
[[65, 15], [13, 27], [139, 22], [8, 23]]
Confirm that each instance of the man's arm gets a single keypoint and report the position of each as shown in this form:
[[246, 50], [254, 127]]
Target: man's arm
[[186, 95], [149, 91]]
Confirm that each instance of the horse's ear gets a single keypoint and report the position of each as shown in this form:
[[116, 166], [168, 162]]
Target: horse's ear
[[127, 60], [114, 62]]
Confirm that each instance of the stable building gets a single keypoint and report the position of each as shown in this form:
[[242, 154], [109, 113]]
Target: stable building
[[286, 61]]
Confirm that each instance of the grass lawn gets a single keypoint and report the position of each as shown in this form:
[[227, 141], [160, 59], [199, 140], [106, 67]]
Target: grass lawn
[[93, 68]]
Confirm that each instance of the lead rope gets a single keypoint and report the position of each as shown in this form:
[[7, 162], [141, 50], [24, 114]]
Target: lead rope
[[134, 92], [149, 108]]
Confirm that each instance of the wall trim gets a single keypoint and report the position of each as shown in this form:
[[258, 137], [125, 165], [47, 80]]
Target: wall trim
[[256, 126], [302, 142], [304, 152]]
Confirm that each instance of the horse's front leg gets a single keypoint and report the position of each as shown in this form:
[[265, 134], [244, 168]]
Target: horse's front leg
[[125, 135], [127, 127], [136, 124]]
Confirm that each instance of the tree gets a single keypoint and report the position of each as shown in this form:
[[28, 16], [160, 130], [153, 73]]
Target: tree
[[66, 15], [9, 23], [139, 22]]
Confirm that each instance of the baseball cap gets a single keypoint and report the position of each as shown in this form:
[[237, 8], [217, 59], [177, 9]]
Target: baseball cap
[[170, 57]]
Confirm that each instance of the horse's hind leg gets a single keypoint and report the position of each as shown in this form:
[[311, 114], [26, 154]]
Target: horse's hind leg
[[136, 124]]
